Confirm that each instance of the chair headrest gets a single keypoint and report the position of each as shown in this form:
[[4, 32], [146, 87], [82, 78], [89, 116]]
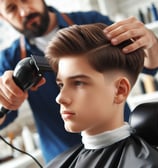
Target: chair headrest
[[144, 119]]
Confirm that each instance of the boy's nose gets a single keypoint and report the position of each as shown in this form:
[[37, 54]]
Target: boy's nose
[[62, 100]]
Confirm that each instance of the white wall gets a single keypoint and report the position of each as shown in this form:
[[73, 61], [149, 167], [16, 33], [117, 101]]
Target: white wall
[[73, 5], [131, 7]]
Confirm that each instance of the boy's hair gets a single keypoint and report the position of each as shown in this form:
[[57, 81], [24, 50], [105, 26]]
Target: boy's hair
[[90, 42]]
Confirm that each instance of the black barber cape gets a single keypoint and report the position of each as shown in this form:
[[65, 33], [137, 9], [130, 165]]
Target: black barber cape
[[113, 149]]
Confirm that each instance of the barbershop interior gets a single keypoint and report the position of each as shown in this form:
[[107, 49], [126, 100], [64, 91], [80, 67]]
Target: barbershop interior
[[22, 132]]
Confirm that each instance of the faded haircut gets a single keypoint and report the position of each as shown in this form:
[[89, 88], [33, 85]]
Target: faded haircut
[[90, 42]]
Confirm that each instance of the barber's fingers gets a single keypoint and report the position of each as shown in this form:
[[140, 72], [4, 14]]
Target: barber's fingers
[[11, 96], [127, 33], [40, 83], [139, 43], [123, 25], [12, 103], [130, 28], [123, 30], [8, 85]]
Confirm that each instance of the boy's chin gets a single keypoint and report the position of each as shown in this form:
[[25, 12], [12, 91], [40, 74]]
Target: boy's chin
[[72, 129]]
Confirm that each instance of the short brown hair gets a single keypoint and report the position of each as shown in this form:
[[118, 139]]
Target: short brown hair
[[89, 41]]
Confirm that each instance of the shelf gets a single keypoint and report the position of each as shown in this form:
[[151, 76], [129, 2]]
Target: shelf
[[153, 26]]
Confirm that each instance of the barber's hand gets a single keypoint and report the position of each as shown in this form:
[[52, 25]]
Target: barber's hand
[[131, 28], [40, 83], [11, 96], [2, 119]]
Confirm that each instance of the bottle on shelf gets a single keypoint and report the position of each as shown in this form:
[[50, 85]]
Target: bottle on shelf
[[149, 83], [154, 12], [149, 15], [28, 139], [141, 16]]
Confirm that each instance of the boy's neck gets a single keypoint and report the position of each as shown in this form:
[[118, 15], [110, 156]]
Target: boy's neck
[[106, 138]]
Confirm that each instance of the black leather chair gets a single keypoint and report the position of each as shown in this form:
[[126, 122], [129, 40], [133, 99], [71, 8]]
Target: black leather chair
[[144, 121]]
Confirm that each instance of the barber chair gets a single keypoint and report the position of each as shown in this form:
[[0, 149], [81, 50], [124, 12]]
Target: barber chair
[[144, 121]]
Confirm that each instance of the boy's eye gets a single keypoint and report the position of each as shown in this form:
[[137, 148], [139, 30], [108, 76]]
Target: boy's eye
[[79, 83]]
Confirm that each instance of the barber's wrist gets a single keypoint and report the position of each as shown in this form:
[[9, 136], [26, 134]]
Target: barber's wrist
[[2, 119], [3, 111]]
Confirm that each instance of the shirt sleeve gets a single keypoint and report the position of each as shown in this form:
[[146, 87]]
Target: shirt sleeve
[[10, 118], [150, 71], [8, 60], [89, 17]]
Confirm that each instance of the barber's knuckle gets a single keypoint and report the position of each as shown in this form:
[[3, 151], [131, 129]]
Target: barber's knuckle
[[132, 33], [130, 48], [12, 107], [138, 43], [8, 105], [133, 19], [6, 81], [119, 23], [140, 24], [11, 98], [124, 28]]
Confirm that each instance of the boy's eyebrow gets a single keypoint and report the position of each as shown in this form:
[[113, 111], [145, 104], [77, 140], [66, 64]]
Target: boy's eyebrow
[[75, 77]]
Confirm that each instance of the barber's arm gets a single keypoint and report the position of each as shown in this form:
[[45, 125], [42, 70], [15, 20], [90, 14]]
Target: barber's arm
[[152, 52], [11, 96], [132, 28], [2, 120]]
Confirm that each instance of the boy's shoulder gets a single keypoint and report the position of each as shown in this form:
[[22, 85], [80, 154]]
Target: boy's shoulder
[[128, 153], [66, 157]]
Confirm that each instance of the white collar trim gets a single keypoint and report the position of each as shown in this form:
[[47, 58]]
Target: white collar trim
[[106, 138]]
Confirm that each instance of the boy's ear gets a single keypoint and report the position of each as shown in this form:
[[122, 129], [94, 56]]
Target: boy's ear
[[123, 88]]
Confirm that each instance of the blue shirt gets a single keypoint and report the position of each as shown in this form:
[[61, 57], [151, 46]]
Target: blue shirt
[[53, 137]]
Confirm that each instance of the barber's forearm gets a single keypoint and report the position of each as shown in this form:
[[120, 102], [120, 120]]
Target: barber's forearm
[[151, 61]]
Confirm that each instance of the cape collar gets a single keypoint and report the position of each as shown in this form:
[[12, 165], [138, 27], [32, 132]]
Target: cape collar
[[106, 138]]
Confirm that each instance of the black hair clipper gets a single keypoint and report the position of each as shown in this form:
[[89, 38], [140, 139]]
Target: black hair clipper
[[27, 73]]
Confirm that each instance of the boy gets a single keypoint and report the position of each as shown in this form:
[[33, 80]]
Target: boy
[[95, 79], [38, 23]]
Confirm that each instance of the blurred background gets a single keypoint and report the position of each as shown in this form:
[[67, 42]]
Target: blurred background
[[144, 90]]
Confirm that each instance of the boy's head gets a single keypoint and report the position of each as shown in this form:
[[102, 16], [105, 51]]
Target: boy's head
[[94, 77]]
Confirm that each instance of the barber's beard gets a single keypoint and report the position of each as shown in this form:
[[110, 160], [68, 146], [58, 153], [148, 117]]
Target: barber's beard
[[36, 29]]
